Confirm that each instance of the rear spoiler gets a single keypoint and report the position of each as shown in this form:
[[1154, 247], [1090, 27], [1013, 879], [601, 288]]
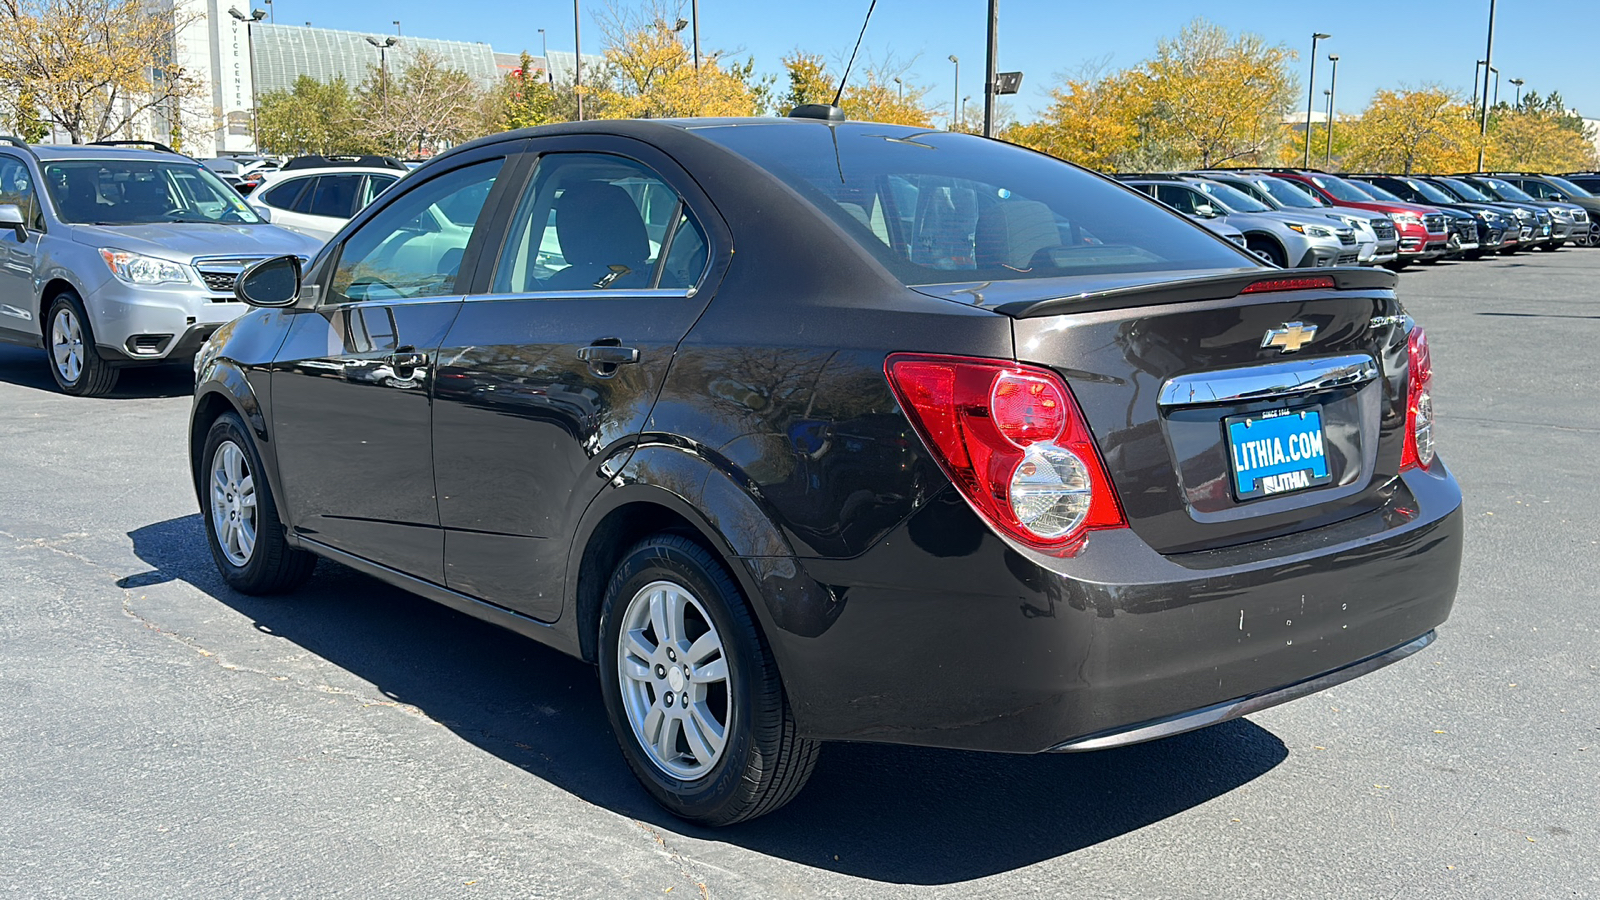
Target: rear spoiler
[[1206, 287]]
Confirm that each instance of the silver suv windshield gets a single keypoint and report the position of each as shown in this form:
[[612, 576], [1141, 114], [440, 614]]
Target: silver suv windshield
[[1233, 198], [140, 192]]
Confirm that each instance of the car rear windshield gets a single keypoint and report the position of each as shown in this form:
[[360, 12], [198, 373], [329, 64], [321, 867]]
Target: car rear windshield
[[138, 192], [936, 207]]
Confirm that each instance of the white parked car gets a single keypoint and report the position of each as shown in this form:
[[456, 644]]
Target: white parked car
[[316, 195]]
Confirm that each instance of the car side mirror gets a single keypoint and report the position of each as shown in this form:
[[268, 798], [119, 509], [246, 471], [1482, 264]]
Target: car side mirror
[[11, 217], [1559, 198], [263, 212], [271, 283], [1206, 211]]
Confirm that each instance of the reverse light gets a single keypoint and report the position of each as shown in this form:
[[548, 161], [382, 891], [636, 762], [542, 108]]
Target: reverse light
[[1012, 439], [1417, 448], [136, 268]]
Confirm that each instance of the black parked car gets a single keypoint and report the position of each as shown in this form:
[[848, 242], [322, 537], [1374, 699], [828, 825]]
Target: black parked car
[[810, 430], [1567, 220], [1555, 189], [1536, 224], [1496, 228]]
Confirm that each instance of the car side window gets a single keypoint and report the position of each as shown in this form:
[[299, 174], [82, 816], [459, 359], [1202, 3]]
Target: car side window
[[335, 196], [16, 188], [592, 221], [413, 247], [283, 195], [375, 185], [1179, 198], [1538, 189]]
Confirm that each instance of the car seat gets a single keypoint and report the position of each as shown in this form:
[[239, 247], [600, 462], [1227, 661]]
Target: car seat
[[599, 229]]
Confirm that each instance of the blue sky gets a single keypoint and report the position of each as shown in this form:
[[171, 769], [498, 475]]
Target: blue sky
[[1381, 45]]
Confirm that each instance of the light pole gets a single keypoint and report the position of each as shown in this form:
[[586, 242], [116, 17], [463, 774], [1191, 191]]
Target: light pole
[[1518, 83], [964, 110], [397, 30], [255, 16], [1311, 90], [577, 58], [271, 13], [383, 73], [1333, 85], [988, 74], [902, 85], [955, 91], [1488, 60], [694, 15], [544, 53]]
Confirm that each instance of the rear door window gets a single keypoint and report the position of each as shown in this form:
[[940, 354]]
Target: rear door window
[[335, 196], [284, 196]]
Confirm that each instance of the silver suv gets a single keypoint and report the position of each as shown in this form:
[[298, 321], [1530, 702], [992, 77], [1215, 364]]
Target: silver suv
[[1283, 239], [112, 256]]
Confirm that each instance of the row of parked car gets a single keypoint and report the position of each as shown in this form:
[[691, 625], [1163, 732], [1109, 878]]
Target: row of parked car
[[1310, 218]]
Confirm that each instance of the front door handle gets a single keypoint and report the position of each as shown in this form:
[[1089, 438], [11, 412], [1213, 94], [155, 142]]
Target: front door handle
[[602, 355], [406, 359]]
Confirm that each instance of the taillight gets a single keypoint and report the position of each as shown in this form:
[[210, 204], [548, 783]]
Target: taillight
[[1012, 439], [1417, 449]]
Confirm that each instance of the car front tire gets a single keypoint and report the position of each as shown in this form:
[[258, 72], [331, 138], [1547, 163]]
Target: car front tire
[[241, 517], [674, 627], [75, 363]]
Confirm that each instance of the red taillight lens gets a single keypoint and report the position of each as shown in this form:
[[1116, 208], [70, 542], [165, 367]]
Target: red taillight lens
[[1014, 442], [1417, 448]]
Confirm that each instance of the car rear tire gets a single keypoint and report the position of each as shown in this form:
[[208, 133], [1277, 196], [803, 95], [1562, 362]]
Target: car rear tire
[[75, 364], [674, 626], [242, 527], [1268, 249]]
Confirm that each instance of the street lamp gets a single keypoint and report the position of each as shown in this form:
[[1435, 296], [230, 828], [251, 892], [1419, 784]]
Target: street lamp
[[383, 72], [694, 13], [1518, 82], [397, 30], [271, 13], [1333, 85], [1488, 60], [1311, 90], [955, 91], [544, 51], [902, 86], [255, 16], [577, 59], [964, 110]]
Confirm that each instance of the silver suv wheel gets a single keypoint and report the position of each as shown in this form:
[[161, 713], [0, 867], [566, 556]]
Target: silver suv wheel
[[66, 345], [674, 679]]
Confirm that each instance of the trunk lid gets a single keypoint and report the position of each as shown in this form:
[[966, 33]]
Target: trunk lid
[[1203, 428]]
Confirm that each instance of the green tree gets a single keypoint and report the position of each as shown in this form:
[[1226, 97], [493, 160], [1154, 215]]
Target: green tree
[[650, 73], [311, 117], [526, 98], [1216, 98], [424, 107], [1098, 122]]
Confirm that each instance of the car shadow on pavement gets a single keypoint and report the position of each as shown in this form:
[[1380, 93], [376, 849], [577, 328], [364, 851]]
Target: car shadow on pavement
[[28, 367], [894, 814]]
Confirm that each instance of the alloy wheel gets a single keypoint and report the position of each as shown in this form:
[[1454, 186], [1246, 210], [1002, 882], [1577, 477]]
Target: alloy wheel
[[673, 671], [66, 345], [233, 503]]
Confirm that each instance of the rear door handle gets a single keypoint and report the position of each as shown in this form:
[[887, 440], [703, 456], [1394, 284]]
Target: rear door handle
[[603, 355], [406, 358]]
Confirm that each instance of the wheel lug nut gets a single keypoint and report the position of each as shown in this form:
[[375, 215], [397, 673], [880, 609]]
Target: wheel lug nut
[[672, 654], [685, 699], [661, 671], [669, 698]]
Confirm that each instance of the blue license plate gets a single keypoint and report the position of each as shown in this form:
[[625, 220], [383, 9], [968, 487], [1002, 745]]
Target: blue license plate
[[1276, 452]]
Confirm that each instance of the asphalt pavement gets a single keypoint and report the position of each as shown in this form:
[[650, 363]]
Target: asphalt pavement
[[164, 737]]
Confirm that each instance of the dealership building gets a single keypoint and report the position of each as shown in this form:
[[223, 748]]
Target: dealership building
[[240, 60]]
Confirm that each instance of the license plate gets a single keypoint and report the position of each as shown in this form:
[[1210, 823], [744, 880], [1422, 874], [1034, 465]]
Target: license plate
[[1276, 452]]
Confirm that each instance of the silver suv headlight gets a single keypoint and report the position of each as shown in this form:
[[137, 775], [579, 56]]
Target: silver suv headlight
[[1310, 230], [138, 269]]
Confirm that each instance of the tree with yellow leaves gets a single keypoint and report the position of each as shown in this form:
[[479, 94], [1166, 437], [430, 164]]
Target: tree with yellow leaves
[[1098, 122], [99, 68], [1430, 129], [1539, 134], [1215, 98], [650, 73], [874, 93]]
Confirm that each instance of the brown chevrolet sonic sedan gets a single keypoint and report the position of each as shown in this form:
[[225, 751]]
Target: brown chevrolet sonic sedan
[[806, 430]]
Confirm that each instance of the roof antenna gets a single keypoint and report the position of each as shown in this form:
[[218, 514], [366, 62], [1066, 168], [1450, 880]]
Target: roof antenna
[[847, 66], [831, 112]]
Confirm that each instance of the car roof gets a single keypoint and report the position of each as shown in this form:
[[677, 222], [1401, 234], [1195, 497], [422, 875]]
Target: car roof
[[58, 152], [278, 175]]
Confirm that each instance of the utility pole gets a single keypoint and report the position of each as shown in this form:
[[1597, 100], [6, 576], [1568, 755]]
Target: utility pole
[[988, 77], [1311, 92], [577, 58], [383, 75], [1488, 62], [694, 17], [955, 91]]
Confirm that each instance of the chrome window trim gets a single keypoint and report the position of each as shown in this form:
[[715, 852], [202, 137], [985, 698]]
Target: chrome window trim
[[1266, 382], [630, 294]]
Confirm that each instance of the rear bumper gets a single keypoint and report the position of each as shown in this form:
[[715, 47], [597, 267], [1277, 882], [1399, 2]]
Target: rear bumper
[[944, 635]]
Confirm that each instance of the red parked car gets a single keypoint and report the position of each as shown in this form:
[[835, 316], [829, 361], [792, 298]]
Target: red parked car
[[1423, 231]]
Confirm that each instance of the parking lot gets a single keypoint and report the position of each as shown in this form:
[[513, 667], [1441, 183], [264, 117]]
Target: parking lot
[[163, 736]]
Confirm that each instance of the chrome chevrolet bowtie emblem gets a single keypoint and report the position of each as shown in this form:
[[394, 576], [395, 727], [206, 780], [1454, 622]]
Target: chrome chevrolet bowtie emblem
[[1289, 337]]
